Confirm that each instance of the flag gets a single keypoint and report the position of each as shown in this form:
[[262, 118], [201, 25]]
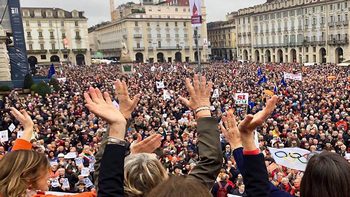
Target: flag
[[283, 82], [51, 71], [275, 89], [259, 71], [294, 158], [262, 80]]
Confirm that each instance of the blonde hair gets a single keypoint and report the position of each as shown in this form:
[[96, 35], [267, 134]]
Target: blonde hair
[[142, 173], [20, 169]]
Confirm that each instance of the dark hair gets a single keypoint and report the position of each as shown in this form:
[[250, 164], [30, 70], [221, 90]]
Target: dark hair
[[326, 175], [179, 186]]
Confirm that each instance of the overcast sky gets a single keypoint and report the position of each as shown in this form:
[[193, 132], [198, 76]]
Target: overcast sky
[[98, 10]]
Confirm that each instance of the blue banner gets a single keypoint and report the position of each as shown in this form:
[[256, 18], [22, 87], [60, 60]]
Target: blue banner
[[17, 52]]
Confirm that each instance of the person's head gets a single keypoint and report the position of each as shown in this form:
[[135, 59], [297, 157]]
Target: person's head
[[142, 172], [329, 173], [22, 170], [180, 187]]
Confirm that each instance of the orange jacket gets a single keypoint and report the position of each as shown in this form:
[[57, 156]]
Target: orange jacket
[[21, 144]]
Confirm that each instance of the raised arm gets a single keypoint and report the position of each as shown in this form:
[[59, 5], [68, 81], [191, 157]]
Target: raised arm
[[23, 143], [210, 155]]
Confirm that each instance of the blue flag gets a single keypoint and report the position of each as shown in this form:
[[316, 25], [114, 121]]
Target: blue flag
[[51, 71], [283, 82], [259, 71], [275, 90], [262, 80]]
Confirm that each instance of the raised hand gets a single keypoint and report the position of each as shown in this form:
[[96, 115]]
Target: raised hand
[[126, 104], [230, 130], [148, 145], [26, 121], [251, 122], [102, 106], [200, 93]]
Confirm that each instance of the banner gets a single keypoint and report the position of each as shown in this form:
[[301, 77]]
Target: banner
[[294, 158], [17, 52], [292, 76], [196, 13], [4, 136], [216, 93], [166, 95], [241, 98]]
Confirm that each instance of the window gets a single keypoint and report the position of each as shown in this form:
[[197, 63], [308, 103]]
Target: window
[[184, 24], [322, 8], [314, 49], [27, 23], [43, 57], [40, 34], [148, 24], [176, 9], [29, 34], [167, 24], [53, 47], [331, 7], [65, 56], [307, 49], [39, 24], [345, 4], [138, 45], [76, 23], [63, 35], [175, 24], [51, 34], [136, 24], [42, 47], [339, 18], [30, 46], [159, 44], [62, 23], [50, 23], [338, 5], [77, 34]]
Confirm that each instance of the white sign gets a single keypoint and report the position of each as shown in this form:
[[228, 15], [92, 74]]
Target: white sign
[[4, 136], [241, 98], [216, 93], [63, 79], [12, 127], [78, 161], [166, 95], [85, 172], [294, 158], [153, 68], [55, 183], [19, 134], [71, 155], [65, 183], [160, 84], [196, 13], [292, 76], [88, 182]]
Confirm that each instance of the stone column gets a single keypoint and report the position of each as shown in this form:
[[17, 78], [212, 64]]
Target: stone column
[[5, 70]]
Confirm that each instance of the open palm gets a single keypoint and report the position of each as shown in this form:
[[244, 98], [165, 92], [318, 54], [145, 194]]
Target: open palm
[[102, 106], [126, 104]]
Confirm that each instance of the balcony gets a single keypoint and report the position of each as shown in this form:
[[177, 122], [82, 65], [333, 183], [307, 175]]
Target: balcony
[[65, 51], [150, 48], [139, 48], [41, 37], [79, 50], [342, 41], [169, 48], [37, 51], [331, 24], [29, 37], [345, 23], [78, 37], [52, 37], [137, 35], [339, 23], [321, 43], [53, 51]]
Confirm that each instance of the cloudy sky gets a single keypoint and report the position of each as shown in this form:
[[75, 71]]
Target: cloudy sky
[[98, 10]]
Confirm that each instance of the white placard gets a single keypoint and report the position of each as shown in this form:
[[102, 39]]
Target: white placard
[[55, 183], [12, 127], [160, 84], [62, 79], [216, 93], [71, 155], [88, 182], [91, 167], [85, 172], [166, 95], [65, 183], [297, 77], [4, 136], [19, 134], [78, 161], [153, 68], [241, 98], [294, 158]]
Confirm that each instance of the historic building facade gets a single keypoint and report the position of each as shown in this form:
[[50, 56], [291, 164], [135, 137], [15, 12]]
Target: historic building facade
[[295, 31], [149, 33], [56, 35]]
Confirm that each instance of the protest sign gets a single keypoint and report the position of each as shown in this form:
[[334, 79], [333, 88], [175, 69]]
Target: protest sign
[[4, 136], [85, 172], [79, 161], [160, 84], [216, 93], [241, 98], [12, 127], [88, 182], [166, 95], [292, 76], [65, 183], [71, 155], [294, 158], [55, 183]]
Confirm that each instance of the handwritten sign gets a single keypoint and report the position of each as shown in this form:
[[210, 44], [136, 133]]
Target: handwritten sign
[[85, 172], [4, 136]]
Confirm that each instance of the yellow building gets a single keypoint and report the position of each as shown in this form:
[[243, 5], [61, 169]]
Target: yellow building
[[294, 31], [222, 38], [149, 33]]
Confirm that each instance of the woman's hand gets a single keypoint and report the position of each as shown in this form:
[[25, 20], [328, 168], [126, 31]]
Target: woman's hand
[[250, 123], [126, 104], [200, 93], [102, 106], [26, 121], [148, 145], [230, 130]]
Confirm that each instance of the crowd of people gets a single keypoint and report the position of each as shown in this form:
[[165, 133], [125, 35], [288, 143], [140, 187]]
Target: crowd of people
[[312, 114]]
